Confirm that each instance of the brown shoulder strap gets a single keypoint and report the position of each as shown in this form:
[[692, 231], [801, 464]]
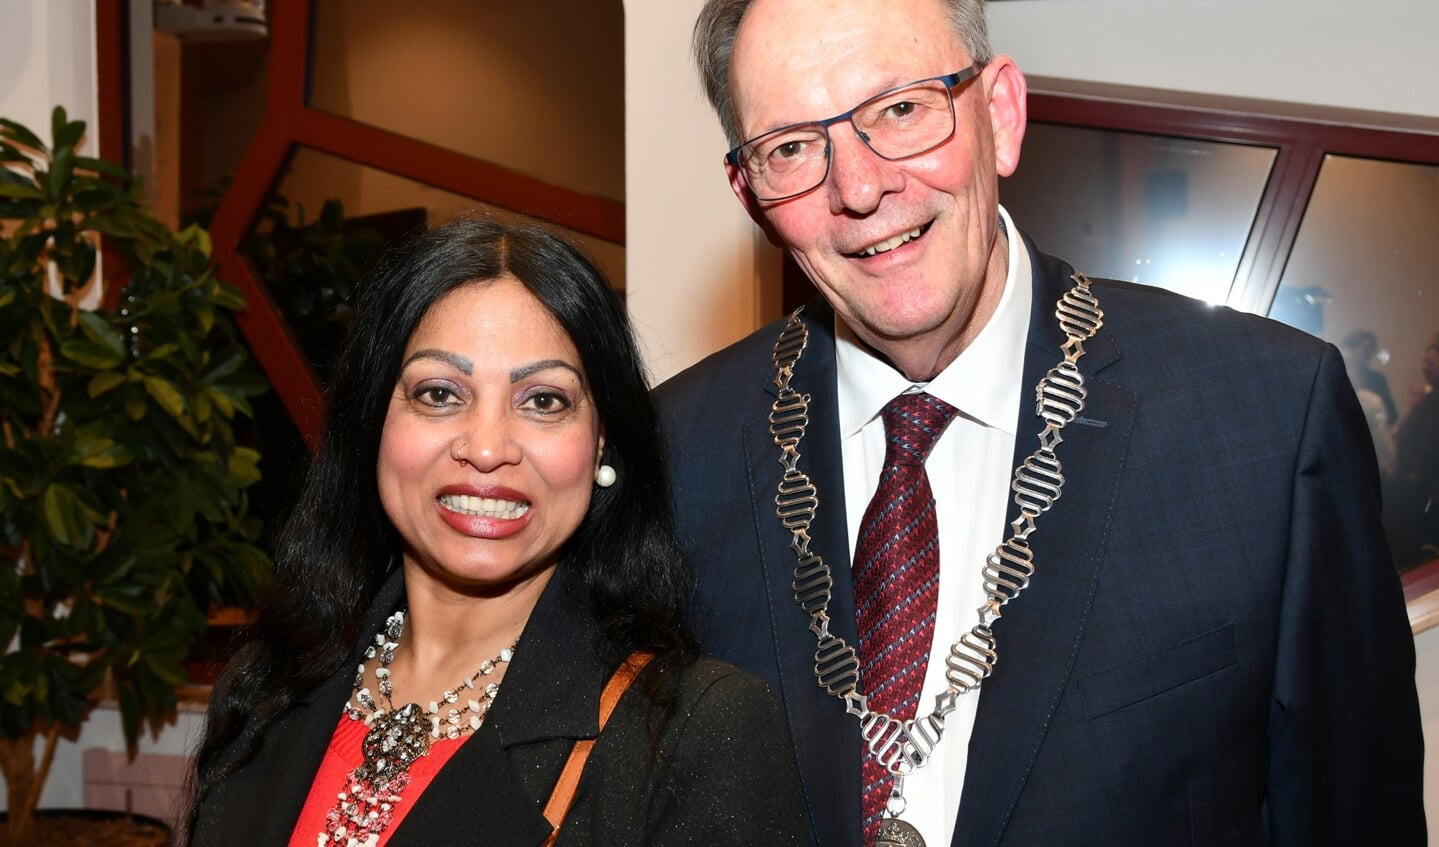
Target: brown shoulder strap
[[564, 794]]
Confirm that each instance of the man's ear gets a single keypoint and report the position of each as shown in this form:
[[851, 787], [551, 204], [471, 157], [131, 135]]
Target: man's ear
[[1008, 111], [746, 197]]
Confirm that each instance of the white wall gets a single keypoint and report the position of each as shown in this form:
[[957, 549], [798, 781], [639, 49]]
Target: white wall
[[47, 58], [1376, 56], [696, 255]]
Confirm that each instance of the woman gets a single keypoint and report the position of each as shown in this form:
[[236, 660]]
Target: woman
[[484, 537]]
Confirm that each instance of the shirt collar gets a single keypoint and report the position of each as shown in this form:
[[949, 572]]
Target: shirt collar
[[983, 383]]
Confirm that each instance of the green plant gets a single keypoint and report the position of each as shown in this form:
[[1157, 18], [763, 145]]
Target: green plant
[[123, 512], [313, 268]]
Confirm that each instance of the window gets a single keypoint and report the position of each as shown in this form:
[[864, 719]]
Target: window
[[1326, 221]]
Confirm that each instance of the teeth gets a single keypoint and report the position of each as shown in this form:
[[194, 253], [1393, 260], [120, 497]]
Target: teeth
[[488, 507], [891, 243]]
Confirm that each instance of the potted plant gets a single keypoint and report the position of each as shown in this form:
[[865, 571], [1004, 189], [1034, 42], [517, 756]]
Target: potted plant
[[123, 511]]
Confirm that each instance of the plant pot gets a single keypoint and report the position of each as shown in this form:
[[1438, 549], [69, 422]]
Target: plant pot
[[89, 827]]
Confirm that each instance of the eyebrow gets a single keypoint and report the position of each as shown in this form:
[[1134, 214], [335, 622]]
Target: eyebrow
[[465, 366], [458, 362], [523, 371]]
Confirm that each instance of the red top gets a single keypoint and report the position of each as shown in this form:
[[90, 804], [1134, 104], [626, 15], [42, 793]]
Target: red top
[[341, 758]]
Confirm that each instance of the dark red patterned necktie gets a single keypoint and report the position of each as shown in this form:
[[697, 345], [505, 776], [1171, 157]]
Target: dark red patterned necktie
[[896, 578]]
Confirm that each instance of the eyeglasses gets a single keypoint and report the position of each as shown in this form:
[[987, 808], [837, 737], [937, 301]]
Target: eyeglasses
[[898, 124]]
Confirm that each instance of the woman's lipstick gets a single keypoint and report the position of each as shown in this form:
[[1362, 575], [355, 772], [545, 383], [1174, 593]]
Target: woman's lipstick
[[490, 511]]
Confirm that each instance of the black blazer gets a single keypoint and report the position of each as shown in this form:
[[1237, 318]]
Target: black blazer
[[719, 770], [1214, 647]]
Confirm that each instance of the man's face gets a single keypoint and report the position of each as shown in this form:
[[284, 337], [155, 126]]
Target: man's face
[[918, 299]]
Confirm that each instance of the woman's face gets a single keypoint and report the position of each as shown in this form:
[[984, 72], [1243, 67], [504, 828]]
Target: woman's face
[[490, 445]]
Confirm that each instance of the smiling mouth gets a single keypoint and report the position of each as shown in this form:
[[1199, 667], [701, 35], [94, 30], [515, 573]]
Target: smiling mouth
[[890, 243], [485, 507]]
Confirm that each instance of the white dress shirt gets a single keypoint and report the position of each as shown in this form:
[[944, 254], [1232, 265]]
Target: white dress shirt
[[969, 470]]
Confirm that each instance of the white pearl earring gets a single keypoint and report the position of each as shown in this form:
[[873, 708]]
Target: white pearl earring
[[605, 476]]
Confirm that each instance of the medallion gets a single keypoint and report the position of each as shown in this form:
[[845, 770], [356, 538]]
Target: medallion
[[395, 740], [894, 832]]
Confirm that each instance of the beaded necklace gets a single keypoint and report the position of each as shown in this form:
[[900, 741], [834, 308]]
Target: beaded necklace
[[396, 737]]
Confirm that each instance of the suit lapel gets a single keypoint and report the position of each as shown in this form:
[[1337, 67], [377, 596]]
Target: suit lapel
[[551, 692], [1039, 633], [300, 743], [817, 720], [478, 778], [300, 739]]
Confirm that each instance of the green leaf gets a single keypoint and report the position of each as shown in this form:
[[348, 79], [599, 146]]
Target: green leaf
[[70, 134], [104, 455], [228, 366], [167, 395], [62, 129], [20, 192], [62, 167], [95, 198], [67, 517], [229, 297], [201, 404], [164, 351], [105, 381], [21, 135], [206, 316], [91, 355], [118, 226], [134, 407], [101, 166], [196, 235], [229, 395], [130, 600], [245, 466], [221, 402], [99, 330], [130, 712]]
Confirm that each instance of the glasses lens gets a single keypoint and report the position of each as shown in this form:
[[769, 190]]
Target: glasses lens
[[907, 122], [787, 161]]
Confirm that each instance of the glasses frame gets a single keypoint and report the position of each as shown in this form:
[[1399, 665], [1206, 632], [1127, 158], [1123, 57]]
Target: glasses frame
[[951, 82]]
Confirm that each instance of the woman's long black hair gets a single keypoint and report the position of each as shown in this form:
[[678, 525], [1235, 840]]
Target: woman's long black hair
[[336, 549]]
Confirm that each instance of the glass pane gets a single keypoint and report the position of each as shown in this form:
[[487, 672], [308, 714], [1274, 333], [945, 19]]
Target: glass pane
[[1361, 275], [536, 87], [1169, 212]]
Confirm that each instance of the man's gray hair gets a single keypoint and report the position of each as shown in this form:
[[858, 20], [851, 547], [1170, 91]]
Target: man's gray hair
[[719, 20]]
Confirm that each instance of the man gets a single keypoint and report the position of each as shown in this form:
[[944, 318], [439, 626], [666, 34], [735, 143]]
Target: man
[[1195, 633], [1412, 499], [1359, 348]]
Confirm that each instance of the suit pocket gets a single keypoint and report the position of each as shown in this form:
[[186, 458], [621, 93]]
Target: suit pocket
[[1111, 690]]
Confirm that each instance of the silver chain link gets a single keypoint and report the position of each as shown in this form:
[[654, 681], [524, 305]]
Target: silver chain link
[[902, 746]]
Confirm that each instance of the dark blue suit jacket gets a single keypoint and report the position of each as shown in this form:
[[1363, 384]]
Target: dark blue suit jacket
[[1214, 648]]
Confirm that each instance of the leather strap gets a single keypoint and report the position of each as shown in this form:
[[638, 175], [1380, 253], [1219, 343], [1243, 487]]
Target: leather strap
[[564, 794]]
